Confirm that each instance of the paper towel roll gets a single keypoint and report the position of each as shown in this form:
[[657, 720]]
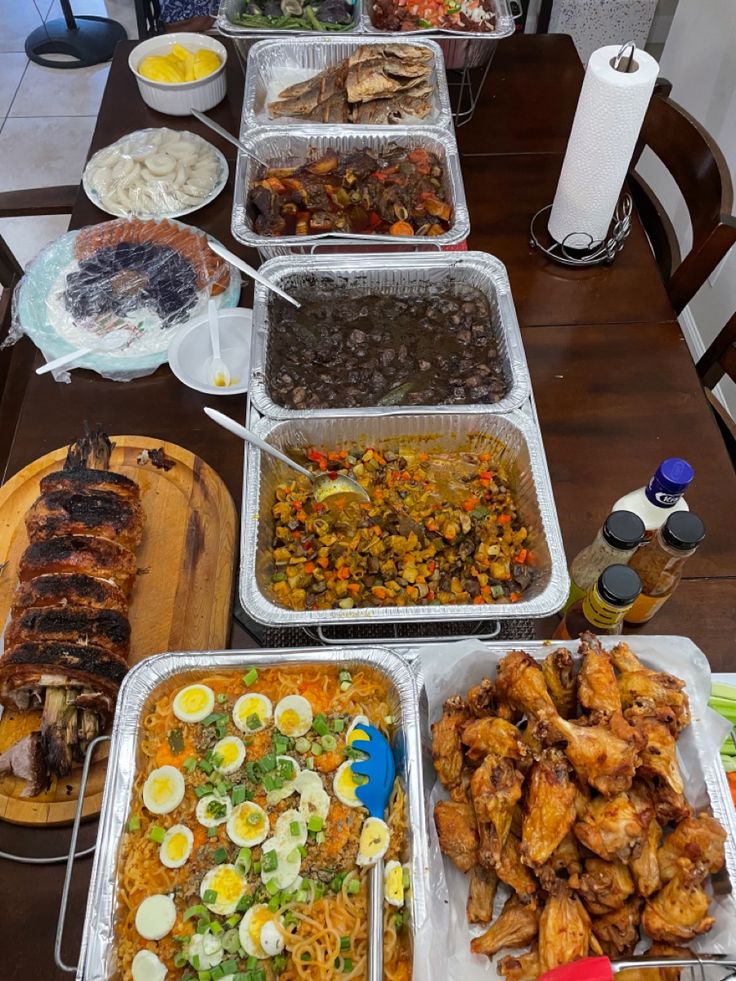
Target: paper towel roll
[[607, 122]]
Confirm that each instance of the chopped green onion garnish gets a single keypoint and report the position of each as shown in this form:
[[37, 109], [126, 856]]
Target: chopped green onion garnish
[[328, 743], [244, 858], [293, 856], [267, 763], [233, 920], [274, 903], [269, 782], [212, 832], [180, 960], [347, 965], [229, 966], [197, 910], [157, 834], [315, 823], [206, 766], [252, 963], [295, 828], [230, 939], [222, 698], [344, 685], [215, 927], [250, 771], [353, 887], [309, 763], [338, 725], [302, 851], [203, 789], [216, 973], [344, 943], [189, 763], [406, 879], [253, 721], [320, 725], [345, 676], [320, 837], [134, 822], [220, 856], [250, 676], [269, 861], [316, 749], [210, 896], [244, 904], [238, 794], [272, 887], [257, 868], [302, 745]]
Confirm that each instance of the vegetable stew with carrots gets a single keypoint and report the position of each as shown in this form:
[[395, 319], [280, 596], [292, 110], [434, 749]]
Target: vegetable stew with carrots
[[440, 529], [393, 191]]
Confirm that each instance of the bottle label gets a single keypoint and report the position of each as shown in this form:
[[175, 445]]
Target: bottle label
[[575, 594], [600, 613], [644, 608]]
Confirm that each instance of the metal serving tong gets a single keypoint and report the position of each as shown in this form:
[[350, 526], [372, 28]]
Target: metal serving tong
[[603, 969]]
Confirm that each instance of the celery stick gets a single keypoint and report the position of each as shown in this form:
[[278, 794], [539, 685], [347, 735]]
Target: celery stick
[[728, 748], [719, 690], [723, 707], [729, 764]]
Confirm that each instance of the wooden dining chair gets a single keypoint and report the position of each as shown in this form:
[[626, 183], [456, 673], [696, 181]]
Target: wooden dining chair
[[700, 171], [15, 361], [719, 361]]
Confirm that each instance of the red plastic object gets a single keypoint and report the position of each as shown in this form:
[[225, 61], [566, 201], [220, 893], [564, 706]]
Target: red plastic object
[[588, 969]]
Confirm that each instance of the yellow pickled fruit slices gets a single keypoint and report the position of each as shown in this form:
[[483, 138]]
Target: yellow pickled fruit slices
[[180, 65]]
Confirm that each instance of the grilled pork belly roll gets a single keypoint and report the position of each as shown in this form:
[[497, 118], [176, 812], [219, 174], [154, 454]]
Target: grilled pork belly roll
[[90, 482], [69, 589], [101, 514], [80, 553], [73, 624]]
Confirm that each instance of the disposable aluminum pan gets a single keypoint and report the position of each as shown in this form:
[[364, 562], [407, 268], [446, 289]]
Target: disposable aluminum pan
[[504, 25], [230, 29], [273, 65], [291, 145], [157, 675], [513, 440], [409, 273]]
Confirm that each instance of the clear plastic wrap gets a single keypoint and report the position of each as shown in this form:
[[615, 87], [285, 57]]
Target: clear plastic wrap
[[117, 292], [155, 173], [449, 669], [155, 675]]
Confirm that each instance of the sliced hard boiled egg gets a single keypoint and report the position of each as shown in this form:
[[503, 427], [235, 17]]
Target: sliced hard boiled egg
[[250, 929], [287, 770], [354, 735], [252, 712], [207, 948], [228, 884], [307, 778], [248, 824], [231, 751], [293, 716], [291, 828], [155, 917], [272, 939], [176, 847], [193, 703], [374, 840], [163, 790], [213, 810], [345, 783], [314, 800], [147, 967], [280, 863], [393, 883]]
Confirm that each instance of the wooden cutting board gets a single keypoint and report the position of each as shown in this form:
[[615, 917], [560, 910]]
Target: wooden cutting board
[[182, 600]]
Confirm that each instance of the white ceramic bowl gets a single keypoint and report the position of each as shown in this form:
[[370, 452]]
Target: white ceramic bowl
[[178, 98], [190, 351]]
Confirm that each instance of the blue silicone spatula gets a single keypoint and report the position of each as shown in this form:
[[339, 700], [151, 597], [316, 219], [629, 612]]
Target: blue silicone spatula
[[380, 769]]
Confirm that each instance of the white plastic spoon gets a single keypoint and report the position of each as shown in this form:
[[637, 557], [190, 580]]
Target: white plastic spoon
[[249, 271], [218, 372], [324, 484], [111, 342]]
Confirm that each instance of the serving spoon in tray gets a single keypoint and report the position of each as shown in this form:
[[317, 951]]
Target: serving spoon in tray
[[324, 484]]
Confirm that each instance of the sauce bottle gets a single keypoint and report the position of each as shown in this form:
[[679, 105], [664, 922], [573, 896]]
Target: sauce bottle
[[662, 496], [603, 607], [614, 544], [660, 565]]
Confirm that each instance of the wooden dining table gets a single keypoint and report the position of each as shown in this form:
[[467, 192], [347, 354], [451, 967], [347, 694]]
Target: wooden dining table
[[614, 386]]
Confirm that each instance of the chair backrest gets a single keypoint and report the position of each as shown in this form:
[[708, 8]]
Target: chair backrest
[[700, 171], [720, 358]]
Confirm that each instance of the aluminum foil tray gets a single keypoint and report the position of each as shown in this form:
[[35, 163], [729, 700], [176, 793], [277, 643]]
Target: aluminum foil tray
[[274, 64], [157, 675], [225, 26], [406, 273], [504, 25], [513, 439], [284, 145]]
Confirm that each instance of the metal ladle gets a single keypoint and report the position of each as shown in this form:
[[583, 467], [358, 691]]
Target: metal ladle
[[324, 484]]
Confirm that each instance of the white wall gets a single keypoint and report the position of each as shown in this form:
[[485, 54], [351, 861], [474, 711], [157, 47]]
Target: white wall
[[699, 59]]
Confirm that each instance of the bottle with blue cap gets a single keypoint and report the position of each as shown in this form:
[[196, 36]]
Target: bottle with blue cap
[[661, 497]]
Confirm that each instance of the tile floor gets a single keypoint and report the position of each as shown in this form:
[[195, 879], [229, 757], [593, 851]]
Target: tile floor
[[46, 115]]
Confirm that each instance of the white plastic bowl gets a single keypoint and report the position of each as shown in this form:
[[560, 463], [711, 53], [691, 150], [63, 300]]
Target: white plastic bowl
[[190, 351], [179, 98]]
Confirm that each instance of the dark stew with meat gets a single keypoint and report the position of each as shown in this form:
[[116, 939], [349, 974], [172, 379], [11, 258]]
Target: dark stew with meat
[[338, 350]]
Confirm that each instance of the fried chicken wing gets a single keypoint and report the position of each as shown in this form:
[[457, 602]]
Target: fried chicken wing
[[495, 736], [656, 689], [565, 861], [565, 933], [679, 911], [549, 811], [597, 687], [516, 926], [457, 832], [483, 884], [514, 873], [697, 841], [658, 755], [483, 700], [447, 751], [520, 681], [669, 806], [461, 791], [495, 788], [618, 931], [614, 827], [603, 756], [525, 967], [559, 676], [645, 867], [605, 886]]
